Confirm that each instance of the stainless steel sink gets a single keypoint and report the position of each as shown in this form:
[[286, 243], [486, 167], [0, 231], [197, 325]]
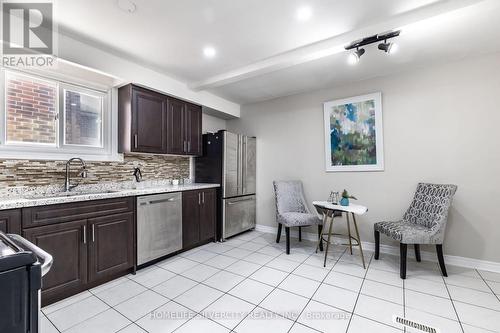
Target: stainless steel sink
[[67, 194]]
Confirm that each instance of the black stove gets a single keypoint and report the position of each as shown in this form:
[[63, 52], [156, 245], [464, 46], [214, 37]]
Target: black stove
[[22, 265]]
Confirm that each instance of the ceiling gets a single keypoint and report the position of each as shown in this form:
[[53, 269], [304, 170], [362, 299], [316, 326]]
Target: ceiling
[[264, 51]]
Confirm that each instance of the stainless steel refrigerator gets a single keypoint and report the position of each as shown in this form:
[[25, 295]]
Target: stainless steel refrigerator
[[229, 159]]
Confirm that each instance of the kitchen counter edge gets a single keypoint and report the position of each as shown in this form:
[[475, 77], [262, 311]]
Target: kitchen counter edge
[[11, 203]]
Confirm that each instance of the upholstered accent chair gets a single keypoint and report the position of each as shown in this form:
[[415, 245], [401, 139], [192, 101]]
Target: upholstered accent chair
[[292, 210], [423, 223]]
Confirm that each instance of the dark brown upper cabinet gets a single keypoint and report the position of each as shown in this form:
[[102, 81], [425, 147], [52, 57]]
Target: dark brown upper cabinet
[[149, 114], [192, 129], [150, 122], [176, 142]]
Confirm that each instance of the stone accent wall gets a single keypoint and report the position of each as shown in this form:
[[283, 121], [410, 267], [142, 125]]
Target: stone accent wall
[[31, 111], [39, 173]]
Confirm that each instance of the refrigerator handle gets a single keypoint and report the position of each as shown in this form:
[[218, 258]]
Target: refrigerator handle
[[244, 165], [240, 165]]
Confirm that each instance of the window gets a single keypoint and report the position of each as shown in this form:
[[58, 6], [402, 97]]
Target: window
[[31, 110], [44, 115], [82, 119]]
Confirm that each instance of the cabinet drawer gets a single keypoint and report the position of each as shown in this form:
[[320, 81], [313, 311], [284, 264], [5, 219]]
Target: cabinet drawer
[[50, 214]]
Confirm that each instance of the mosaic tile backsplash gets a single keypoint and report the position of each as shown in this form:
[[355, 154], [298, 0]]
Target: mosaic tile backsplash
[[17, 173]]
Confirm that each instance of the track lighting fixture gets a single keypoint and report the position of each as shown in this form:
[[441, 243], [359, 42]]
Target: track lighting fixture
[[385, 46], [355, 56], [388, 48]]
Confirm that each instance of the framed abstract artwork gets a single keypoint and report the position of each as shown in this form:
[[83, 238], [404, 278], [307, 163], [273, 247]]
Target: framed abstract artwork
[[353, 134]]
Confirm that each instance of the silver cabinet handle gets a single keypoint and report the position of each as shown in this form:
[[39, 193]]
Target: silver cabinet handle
[[84, 234], [189, 146], [203, 196], [199, 198], [93, 233], [135, 140]]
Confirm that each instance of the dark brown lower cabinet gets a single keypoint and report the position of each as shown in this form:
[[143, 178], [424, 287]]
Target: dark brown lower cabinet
[[207, 214], [109, 245], [66, 242], [198, 217], [91, 242], [10, 221], [190, 218]]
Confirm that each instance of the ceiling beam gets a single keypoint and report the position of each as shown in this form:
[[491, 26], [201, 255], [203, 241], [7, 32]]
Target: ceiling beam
[[330, 46]]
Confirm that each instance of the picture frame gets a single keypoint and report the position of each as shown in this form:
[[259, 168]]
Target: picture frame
[[353, 130]]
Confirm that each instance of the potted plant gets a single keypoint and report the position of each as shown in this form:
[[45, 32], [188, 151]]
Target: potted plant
[[345, 198]]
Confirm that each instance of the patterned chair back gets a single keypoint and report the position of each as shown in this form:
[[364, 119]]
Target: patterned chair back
[[289, 197], [430, 205]]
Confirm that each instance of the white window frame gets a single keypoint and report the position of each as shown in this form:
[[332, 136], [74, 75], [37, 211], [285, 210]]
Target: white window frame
[[62, 151]]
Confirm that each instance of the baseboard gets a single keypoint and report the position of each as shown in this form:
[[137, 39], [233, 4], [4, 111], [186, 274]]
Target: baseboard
[[389, 249]]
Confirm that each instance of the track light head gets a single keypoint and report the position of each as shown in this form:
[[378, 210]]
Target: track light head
[[388, 48], [355, 56]]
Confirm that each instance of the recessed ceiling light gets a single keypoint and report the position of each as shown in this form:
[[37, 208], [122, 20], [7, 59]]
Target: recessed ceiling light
[[127, 6], [304, 13], [209, 52]]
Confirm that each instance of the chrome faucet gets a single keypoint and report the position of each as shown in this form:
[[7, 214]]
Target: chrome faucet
[[83, 172]]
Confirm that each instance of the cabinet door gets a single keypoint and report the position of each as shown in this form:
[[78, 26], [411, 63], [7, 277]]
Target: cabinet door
[[176, 142], [10, 221], [66, 242], [149, 119], [191, 201], [207, 215], [111, 245], [193, 129]]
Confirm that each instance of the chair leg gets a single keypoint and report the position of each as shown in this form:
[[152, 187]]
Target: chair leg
[[279, 233], [320, 238], [439, 250], [377, 244], [300, 234], [402, 269], [417, 252], [287, 232]]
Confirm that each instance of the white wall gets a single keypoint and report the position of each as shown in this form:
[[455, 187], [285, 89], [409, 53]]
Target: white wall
[[441, 124], [212, 123]]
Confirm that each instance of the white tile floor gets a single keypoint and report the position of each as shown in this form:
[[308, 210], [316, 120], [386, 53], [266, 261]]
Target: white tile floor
[[248, 284]]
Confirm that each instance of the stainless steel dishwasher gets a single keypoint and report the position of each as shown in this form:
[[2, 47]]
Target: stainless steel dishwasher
[[159, 226]]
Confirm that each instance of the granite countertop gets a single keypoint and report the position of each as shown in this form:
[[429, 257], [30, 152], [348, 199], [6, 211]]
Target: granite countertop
[[41, 196]]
